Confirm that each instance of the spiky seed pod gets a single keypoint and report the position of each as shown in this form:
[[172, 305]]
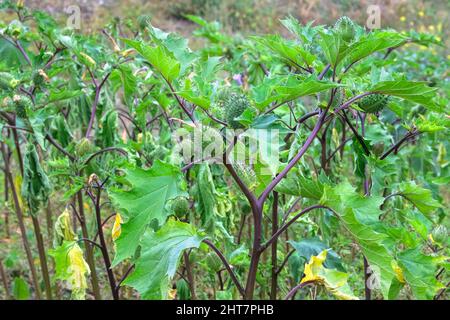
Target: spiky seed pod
[[440, 234], [143, 21], [7, 81], [180, 206], [213, 262], [83, 147], [325, 96], [40, 77], [22, 104], [234, 106], [217, 107], [373, 103], [346, 28], [8, 104], [378, 148]]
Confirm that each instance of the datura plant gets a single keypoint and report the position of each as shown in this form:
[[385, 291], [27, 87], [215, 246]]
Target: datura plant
[[312, 166]]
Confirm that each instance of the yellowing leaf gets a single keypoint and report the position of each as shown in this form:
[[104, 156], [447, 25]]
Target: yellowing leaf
[[398, 271], [116, 229], [87, 60], [172, 294], [71, 267], [63, 229], [312, 268], [334, 281], [78, 268]]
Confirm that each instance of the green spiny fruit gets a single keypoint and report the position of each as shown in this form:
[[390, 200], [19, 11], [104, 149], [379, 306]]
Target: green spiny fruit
[[325, 96], [22, 104], [346, 28], [7, 81], [234, 106], [440, 234], [8, 104], [378, 148], [217, 107], [373, 103], [83, 147], [213, 262], [180, 206], [40, 77], [143, 21]]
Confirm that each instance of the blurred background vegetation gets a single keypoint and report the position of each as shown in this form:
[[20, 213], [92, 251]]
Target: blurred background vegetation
[[255, 16]]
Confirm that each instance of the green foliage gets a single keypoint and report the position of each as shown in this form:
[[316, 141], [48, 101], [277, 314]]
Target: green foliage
[[143, 202], [160, 253], [35, 183], [93, 123], [20, 289]]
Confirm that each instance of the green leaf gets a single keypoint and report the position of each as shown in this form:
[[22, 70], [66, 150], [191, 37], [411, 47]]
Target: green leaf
[[333, 47], [205, 196], [373, 42], [419, 271], [341, 199], [196, 99], [298, 185], [420, 197], [64, 94], [291, 53], [417, 92], [175, 44], [307, 248], [71, 267], [295, 88], [20, 289], [159, 57], [143, 202], [35, 184], [129, 83], [160, 253]]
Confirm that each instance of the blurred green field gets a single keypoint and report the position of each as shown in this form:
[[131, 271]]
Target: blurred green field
[[260, 16]]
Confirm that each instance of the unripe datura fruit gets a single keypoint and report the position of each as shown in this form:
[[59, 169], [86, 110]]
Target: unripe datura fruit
[[83, 147], [440, 234], [234, 106], [373, 103], [7, 81], [346, 28], [213, 262], [40, 77], [22, 104], [180, 206], [8, 104], [143, 21]]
